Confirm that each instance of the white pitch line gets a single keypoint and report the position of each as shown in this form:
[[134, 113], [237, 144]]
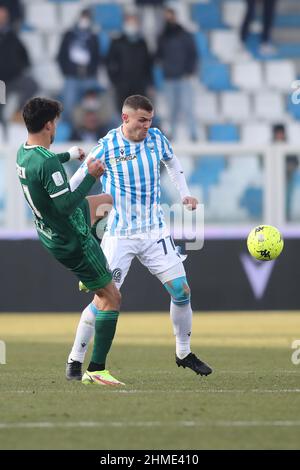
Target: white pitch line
[[209, 390], [150, 424]]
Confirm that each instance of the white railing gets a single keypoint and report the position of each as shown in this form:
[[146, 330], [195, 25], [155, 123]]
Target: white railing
[[15, 222]]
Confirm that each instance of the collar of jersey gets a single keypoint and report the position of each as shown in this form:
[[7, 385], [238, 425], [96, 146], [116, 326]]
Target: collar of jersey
[[33, 146], [131, 141]]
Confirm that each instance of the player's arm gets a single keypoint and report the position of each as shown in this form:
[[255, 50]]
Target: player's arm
[[96, 153], [56, 184], [177, 175], [74, 153]]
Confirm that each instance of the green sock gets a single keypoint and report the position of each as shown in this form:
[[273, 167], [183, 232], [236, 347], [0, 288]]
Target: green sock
[[105, 327]]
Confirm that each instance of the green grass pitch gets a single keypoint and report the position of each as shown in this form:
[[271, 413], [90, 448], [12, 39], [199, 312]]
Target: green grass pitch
[[251, 401]]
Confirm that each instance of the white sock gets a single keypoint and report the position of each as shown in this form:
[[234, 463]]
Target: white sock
[[181, 316], [85, 332]]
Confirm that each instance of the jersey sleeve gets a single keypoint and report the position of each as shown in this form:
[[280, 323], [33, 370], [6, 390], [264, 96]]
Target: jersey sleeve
[[63, 157], [167, 150], [54, 178]]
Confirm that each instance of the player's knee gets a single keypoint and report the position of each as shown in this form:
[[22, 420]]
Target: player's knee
[[179, 290]]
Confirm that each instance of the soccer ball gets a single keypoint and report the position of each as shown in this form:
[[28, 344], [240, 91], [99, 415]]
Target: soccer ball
[[265, 242]]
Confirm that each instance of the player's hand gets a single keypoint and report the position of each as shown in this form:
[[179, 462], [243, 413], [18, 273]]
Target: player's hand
[[190, 203], [95, 168], [76, 153]]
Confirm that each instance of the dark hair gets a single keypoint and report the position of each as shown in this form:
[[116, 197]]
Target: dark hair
[[38, 111], [138, 102]]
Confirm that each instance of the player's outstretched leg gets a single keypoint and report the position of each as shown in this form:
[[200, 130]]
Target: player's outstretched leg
[[106, 306], [181, 316]]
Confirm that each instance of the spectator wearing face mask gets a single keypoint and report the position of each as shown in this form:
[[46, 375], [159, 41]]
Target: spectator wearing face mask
[[129, 63], [79, 59]]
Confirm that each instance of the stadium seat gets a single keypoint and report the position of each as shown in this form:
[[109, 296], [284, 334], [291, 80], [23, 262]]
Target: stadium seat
[[69, 13], [215, 75], [206, 173], [247, 76], [202, 45], [235, 106], [280, 74], [42, 16], [252, 201], [207, 107], [295, 204], [291, 20], [48, 76], [16, 133], [109, 16], [207, 15], [104, 42], [269, 106], [233, 13], [223, 133], [225, 44], [256, 133], [35, 45], [293, 108], [53, 42], [293, 133]]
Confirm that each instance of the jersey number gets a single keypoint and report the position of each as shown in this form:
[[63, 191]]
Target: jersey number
[[30, 202], [163, 241]]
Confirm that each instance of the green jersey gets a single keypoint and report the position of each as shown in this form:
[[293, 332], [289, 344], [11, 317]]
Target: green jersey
[[59, 221]]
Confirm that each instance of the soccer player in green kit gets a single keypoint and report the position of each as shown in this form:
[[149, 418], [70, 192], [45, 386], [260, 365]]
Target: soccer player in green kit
[[63, 220]]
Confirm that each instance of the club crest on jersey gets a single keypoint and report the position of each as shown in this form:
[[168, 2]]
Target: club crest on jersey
[[117, 274]]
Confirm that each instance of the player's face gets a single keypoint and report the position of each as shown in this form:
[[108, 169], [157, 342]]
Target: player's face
[[137, 123]]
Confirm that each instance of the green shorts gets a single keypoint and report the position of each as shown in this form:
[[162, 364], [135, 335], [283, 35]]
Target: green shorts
[[89, 263]]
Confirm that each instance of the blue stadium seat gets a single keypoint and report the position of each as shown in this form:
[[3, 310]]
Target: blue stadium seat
[[288, 51], [63, 132], [293, 108], [202, 45], [252, 201], [109, 16], [223, 133], [207, 173], [207, 15], [104, 42], [287, 21], [158, 77], [215, 75]]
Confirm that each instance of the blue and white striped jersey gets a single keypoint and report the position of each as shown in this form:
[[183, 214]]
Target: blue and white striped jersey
[[132, 177]]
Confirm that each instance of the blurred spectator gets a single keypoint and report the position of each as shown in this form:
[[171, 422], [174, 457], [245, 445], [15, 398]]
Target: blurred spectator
[[178, 57], [279, 134], [14, 65], [266, 47], [79, 59], [291, 167], [92, 118], [129, 62], [16, 12]]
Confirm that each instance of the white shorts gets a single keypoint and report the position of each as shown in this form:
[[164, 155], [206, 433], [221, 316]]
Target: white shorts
[[158, 255]]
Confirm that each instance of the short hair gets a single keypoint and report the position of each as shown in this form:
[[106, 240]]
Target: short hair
[[38, 111], [138, 102]]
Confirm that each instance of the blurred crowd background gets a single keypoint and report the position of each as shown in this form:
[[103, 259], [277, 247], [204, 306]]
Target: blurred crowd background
[[216, 71]]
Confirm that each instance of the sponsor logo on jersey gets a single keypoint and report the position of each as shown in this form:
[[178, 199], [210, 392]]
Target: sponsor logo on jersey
[[125, 158]]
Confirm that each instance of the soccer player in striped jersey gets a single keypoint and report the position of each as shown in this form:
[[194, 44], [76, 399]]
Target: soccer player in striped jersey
[[132, 155]]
